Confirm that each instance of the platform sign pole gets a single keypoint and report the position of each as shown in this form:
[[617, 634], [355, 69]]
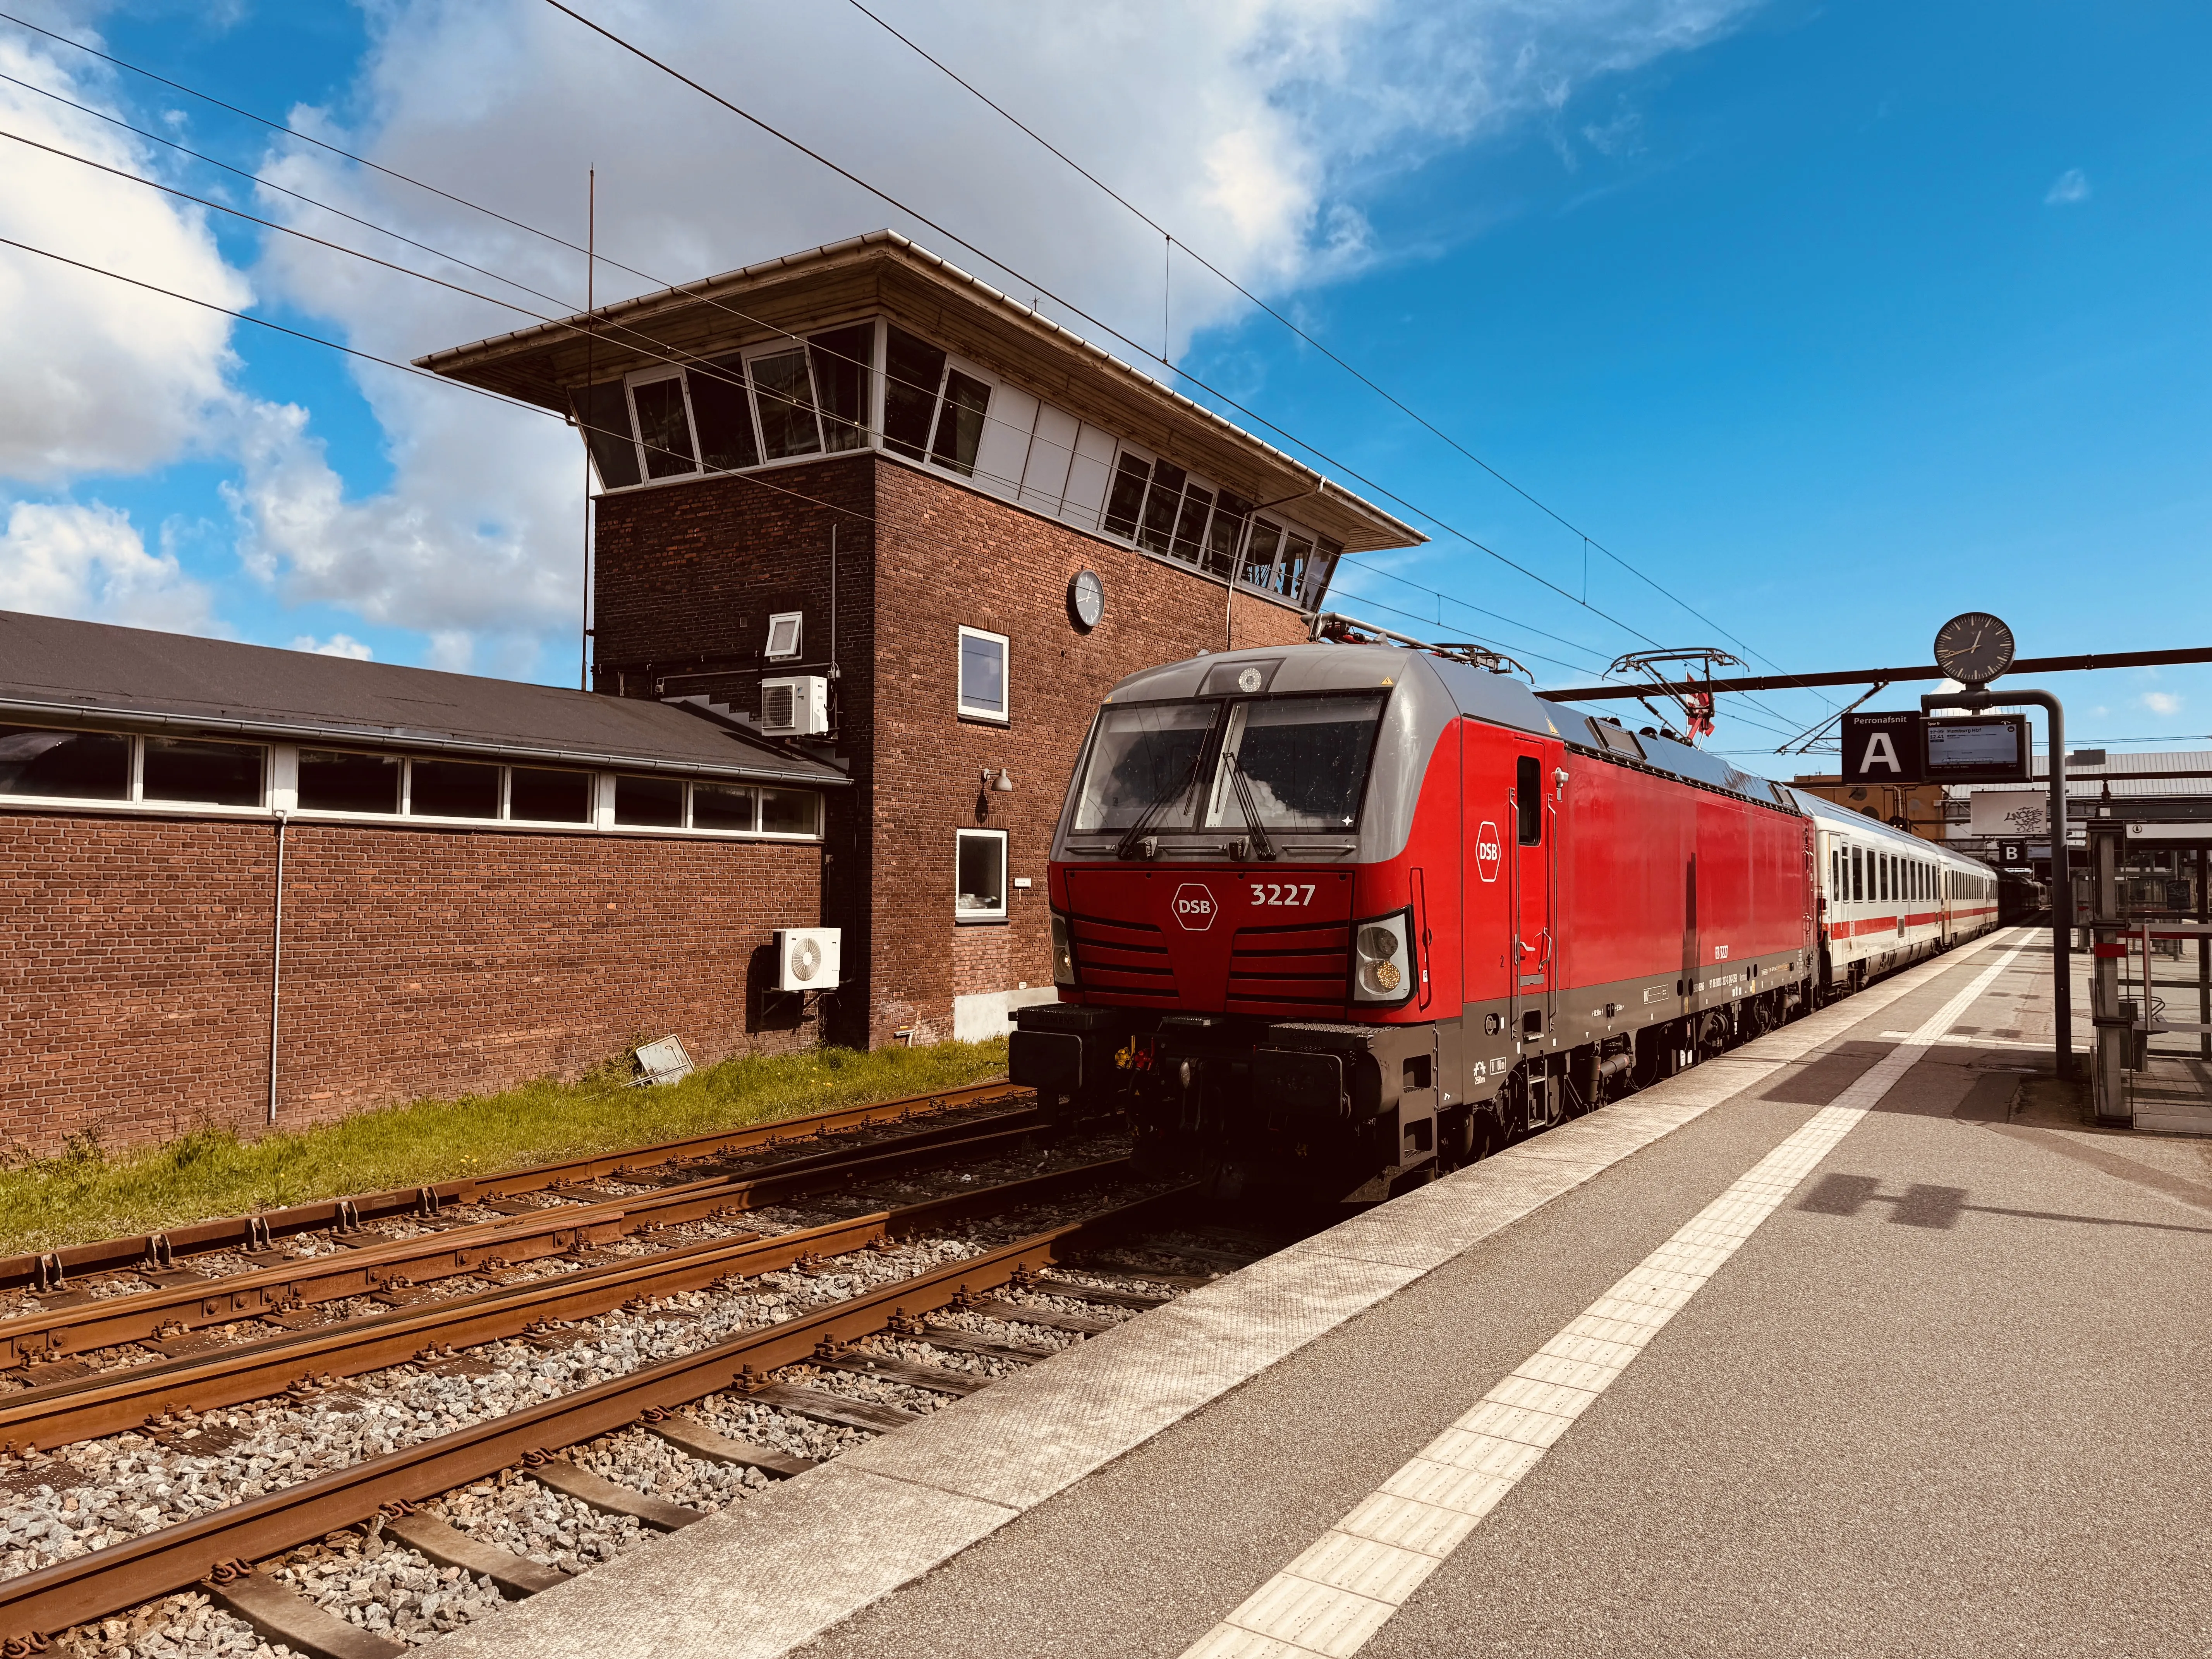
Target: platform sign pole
[[2111, 1019], [2062, 965]]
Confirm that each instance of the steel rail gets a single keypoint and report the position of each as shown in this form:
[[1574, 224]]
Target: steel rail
[[93, 1586], [133, 1396], [259, 1229], [482, 1246]]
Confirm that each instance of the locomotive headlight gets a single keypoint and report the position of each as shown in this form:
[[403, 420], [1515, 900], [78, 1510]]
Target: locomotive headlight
[[1383, 970], [1063, 955]]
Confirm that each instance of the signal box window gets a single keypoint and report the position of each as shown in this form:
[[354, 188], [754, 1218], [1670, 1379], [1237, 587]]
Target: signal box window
[[980, 876], [982, 674], [1529, 798], [664, 426]]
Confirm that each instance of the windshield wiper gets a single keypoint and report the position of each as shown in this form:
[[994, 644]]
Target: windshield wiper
[[1126, 848], [1242, 790]]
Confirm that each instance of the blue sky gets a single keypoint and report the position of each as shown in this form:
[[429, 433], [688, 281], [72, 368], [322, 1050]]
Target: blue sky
[[1832, 322]]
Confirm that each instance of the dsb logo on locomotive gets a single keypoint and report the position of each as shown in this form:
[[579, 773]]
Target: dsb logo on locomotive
[[1488, 849], [1193, 905]]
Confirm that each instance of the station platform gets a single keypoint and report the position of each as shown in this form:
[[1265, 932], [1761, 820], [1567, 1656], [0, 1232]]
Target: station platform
[[1850, 1340]]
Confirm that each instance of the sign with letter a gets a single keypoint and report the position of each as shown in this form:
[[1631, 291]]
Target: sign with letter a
[[1882, 748]]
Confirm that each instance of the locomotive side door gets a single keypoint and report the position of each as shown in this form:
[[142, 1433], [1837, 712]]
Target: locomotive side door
[[1532, 803]]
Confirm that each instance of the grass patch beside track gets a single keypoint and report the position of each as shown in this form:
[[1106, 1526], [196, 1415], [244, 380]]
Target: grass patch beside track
[[88, 1193]]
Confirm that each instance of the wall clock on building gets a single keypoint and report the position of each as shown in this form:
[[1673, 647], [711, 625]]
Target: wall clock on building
[[1974, 648], [1086, 598]]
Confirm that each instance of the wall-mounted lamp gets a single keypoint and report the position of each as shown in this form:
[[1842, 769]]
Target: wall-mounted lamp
[[999, 779]]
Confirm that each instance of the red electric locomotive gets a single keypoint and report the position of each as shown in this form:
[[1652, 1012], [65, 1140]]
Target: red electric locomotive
[[1351, 915]]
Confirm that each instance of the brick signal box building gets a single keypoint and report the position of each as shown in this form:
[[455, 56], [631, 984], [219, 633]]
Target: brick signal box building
[[859, 505]]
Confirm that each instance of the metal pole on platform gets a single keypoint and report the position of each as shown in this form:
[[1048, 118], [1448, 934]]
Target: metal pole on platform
[[2062, 965]]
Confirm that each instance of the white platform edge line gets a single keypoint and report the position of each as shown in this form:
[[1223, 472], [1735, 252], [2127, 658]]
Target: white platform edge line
[[1470, 1469], [542, 1627]]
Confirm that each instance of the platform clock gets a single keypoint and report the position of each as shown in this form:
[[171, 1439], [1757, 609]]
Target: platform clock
[[1974, 648]]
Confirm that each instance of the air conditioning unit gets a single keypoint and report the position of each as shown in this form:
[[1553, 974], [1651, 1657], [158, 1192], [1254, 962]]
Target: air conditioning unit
[[806, 958], [796, 707]]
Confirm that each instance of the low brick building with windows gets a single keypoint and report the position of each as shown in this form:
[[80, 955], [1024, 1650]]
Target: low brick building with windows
[[859, 501], [479, 882]]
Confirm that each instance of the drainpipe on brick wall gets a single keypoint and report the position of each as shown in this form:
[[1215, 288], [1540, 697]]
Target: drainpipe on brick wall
[[276, 963]]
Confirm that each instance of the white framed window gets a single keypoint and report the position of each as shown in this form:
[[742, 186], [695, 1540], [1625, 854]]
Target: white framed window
[[786, 635], [983, 692], [662, 415], [979, 884]]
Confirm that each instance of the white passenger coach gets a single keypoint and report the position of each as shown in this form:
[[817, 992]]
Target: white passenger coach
[[1888, 898]]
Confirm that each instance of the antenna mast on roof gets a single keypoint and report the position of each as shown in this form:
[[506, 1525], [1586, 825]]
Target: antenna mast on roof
[[591, 271]]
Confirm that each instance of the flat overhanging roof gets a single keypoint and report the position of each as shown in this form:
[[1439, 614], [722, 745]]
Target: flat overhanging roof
[[884, 272]]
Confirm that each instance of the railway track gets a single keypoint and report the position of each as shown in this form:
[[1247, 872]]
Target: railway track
[[910, 1326], [48, 1274]]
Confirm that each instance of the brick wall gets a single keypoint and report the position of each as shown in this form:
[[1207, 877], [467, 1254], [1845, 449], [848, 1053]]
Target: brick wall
[[135, 964], [951, 556], [691, 572]]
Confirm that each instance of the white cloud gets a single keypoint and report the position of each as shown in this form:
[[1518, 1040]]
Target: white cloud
[[1252, 127], [465, 553], [2161, 703], [1255, 128], [338, 645], [101, 377], [2069, 187], [65, 560]]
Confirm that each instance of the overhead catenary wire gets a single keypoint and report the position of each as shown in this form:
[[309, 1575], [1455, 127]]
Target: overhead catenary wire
[[1304, 336], [687, 360], [753, 479], [1031, 281], [1059, 298], [589, 328]]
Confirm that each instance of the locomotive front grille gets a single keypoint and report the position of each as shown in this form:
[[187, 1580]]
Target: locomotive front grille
[[1297, 968], [1122, 960]]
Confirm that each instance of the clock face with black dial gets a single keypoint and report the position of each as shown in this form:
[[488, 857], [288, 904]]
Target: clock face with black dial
[[1086, 598], [1973, 649]]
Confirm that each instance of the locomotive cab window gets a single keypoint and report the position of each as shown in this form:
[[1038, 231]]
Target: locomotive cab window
[[1529, 798], [1144, 760], [1294, 763]]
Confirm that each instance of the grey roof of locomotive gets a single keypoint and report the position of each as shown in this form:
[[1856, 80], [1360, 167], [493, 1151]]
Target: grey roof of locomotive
[[1439, 687]]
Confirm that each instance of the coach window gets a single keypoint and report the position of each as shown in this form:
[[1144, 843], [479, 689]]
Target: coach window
[[1858, 877], [982, 675], [79, 765], [202, 773], [1529, 798], [980, 875]]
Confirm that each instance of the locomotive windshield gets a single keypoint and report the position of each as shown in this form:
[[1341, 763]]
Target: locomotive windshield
[[1303, 762]]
